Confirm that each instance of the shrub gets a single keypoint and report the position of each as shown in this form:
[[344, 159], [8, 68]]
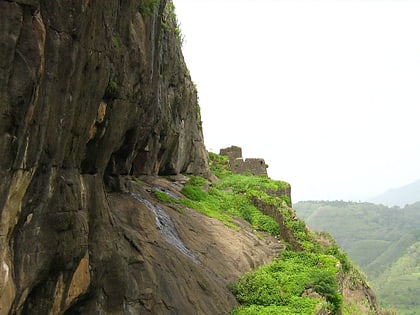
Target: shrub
[[279, 285], [341, 256], [194, 192]]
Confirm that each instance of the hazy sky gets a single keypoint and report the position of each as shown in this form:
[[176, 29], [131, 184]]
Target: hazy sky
[[327, 92]]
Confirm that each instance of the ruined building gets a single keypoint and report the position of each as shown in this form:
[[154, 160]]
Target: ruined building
[[254, 166]]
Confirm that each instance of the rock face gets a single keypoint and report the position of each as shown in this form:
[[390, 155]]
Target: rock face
[[90, 91]]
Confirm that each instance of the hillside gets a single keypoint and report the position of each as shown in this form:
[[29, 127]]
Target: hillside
[[110, 202], [310, 276], [379, 239], [400, 196]]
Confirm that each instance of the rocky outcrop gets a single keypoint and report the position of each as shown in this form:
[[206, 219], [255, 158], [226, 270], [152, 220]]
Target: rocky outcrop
[[89, 91]]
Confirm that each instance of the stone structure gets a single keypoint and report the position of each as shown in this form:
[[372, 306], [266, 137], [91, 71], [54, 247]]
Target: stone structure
[[254, 166]]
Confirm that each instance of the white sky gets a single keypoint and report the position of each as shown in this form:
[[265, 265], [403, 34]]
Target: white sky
[[327, 92]]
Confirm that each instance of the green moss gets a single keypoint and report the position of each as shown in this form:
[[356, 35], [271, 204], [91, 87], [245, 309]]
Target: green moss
[[111, 91], [163, 197], [115, 42]]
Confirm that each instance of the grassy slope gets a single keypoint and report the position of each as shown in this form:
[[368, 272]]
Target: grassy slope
[[376, 237], [305, 268]]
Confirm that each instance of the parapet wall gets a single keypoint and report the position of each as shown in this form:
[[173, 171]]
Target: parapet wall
[[254, 166]]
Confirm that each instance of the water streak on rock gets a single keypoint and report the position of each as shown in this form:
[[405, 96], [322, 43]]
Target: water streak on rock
[[167, 227]]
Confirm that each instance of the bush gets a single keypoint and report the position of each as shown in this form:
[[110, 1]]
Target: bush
[[341, 256], [194, 192], [280, 285]]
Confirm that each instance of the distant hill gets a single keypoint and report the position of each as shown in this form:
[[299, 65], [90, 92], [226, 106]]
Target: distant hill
[[383, 241], [401, 196]]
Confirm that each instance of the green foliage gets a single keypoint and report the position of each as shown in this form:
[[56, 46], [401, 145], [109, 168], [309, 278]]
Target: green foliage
[[219, 164], [340, 255], [264, 223], [194, 193], [197, 181], [251, 184], [221, 204], [279, 286], [115, 42], [296, 306], [170, 21], [378, 238], [111, 91], [148, 7], [163, 197]]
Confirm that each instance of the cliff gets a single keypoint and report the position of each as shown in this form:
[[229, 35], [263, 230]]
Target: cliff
[[96, 103], [89, 91]]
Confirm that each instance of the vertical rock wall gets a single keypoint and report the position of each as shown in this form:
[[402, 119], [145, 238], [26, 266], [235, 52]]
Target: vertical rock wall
[[89, 91]]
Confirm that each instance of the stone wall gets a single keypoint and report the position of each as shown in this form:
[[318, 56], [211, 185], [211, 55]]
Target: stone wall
[[254, 166]]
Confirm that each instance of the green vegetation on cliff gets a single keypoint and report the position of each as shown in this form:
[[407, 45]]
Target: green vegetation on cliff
[[307, 278], [296, 283], [382, 240]]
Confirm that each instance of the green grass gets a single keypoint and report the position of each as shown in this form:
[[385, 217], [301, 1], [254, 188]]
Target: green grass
[[378, 238], [218, 203], [279, 286], [163, 197]]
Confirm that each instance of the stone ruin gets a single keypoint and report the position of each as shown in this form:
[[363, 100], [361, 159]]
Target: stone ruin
[[254, 166]]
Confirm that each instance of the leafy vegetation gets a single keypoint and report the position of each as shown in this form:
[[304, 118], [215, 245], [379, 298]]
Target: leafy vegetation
[[163, 197], [170, 21], [111, 91], [380, 239], [223, 204], [115, 42], [148, 7], [279, 287]]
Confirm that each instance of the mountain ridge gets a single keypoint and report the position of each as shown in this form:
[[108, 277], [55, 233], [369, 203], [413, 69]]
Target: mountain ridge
[[400, 196]]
